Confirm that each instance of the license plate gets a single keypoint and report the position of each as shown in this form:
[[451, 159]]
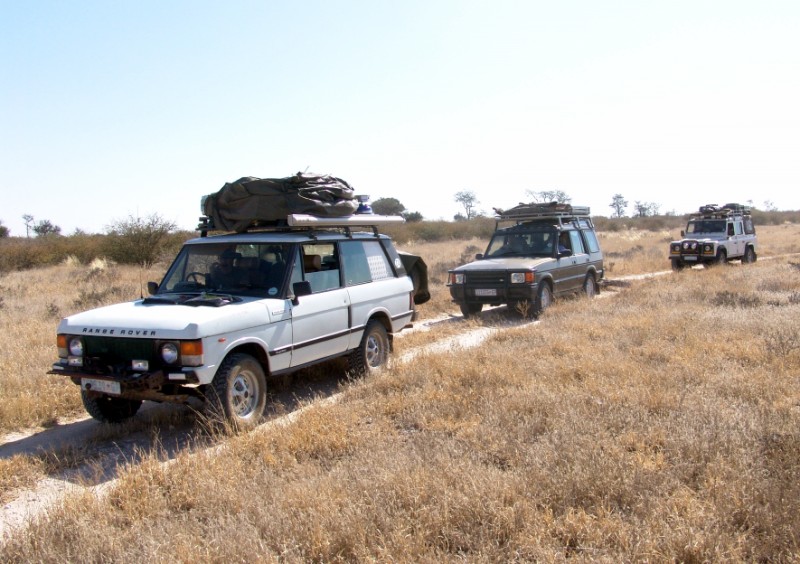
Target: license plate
[[104, 386], [485, 292], [690, 257]]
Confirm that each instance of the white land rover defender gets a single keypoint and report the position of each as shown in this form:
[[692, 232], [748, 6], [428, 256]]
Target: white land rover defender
[[715, 235], [235, 309]]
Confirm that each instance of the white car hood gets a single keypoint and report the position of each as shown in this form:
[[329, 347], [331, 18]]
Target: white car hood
[[169, 321], [506, 263]]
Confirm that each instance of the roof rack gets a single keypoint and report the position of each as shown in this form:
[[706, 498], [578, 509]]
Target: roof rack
[[713, 210], [555, 211], [305, 222]]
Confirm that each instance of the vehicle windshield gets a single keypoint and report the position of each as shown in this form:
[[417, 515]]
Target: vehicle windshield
[[522, 243], [706, 226], [249, 269]]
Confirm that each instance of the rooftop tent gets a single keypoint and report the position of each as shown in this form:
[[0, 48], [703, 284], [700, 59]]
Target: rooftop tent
[[249, 200]]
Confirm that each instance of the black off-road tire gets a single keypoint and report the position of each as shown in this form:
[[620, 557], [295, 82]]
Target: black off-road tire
[[721, 258], [238, 392], [749, 255], [373, 351], [544, 299], [678, 265], [109, 409], [470, 309], [590, 286]]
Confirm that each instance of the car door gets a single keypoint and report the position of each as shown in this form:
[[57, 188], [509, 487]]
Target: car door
[[320, 319], [373, 286], [572, 268], [737, 241]]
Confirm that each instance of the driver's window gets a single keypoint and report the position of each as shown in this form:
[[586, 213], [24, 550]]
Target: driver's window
[[297, 269]]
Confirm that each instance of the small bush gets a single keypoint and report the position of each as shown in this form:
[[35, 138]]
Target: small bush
[[137, 240]]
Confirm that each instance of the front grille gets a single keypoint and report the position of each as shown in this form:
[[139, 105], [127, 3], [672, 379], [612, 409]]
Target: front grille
[[113, 350], [487, 278]]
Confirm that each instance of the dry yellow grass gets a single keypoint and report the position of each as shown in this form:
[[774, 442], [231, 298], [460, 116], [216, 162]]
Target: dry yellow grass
[[660, 424], [32, 304]]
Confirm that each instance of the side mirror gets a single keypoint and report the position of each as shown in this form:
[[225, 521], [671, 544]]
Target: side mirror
[[152, 288], [683, 234], [479, 256], [300, 289]]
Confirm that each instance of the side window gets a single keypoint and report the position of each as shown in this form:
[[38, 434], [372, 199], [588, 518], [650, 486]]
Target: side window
[[730, 229], [320, 266], [564, 242], [364, 261], [738, 227], [591, 241], [749, 228], [576, 242]]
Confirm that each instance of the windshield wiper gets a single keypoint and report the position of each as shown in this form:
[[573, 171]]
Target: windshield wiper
[[215, 300], [159, 300]]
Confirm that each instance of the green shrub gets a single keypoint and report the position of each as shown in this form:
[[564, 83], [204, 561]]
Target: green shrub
[[138, 240]]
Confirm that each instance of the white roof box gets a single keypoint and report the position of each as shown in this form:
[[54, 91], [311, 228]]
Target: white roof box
[[357, 220]]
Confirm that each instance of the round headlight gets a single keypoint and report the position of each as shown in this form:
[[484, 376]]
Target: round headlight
[[76, 346], [169, 352]]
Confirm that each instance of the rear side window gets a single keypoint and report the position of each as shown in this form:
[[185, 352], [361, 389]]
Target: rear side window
[[749, 228], [591, 241], [577, 243], [364, 261]]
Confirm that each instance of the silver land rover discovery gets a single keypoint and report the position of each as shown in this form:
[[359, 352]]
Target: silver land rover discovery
[[548, 250]]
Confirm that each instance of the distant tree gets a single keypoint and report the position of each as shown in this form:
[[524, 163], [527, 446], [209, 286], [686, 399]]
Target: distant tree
[[412, 217], [3, 229], [618, 204], [646, 209], [138, 240], [547, 196], [468, 201], [770, 206], [45, 227], [28, 219], [388, 206]]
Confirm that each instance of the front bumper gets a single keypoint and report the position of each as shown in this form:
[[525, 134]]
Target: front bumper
[[157, 385], [493, 295]]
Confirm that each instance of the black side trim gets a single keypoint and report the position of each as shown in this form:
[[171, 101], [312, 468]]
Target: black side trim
[[307, 364]]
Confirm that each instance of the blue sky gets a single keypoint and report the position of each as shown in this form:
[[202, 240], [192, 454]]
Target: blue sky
[[112, 109]]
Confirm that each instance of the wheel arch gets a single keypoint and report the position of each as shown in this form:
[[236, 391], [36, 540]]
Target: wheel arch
[[546, 279], [253, 349], [382, 316]]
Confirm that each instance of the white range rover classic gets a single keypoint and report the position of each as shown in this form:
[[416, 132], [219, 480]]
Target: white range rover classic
[[236, 309]]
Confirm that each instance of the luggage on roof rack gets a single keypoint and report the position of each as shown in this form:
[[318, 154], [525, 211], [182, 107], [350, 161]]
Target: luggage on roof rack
[[737, 208], [250, 202], [540, 211], [727, 209]]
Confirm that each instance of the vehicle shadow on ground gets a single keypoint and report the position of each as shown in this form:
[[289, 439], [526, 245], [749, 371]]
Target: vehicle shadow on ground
[[91, 453]]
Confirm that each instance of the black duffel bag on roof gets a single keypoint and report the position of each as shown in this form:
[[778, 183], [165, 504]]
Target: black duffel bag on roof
[[251, 201]]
